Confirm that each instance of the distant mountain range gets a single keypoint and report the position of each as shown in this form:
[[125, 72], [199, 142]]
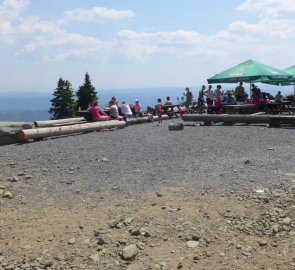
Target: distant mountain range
[[34, 106]]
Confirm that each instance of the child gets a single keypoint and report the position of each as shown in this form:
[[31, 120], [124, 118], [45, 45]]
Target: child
[[160, 111]]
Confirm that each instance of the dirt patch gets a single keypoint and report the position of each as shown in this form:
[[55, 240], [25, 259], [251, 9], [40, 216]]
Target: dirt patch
[[174, 228]]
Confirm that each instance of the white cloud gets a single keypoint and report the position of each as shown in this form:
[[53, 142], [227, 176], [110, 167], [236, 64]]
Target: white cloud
[[10, 9], [6, 28], [97, 14], [174, 37], [270, 7], [270, 27]]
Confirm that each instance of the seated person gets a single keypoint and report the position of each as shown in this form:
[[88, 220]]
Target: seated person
[[113, 100], [231, 98], [97, 113], [114, 111], [255, 100], [279, 97], [217, 105], [125, 110], [137, 109], [150, 110], [168, 102]]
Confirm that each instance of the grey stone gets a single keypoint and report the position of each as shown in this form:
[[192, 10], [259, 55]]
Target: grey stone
[[287, 221], [192, 244], [95, 258], [7, 194], [129, 252], [72, 241]]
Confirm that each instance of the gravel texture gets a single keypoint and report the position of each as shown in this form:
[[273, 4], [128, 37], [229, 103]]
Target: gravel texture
[[144, 157]]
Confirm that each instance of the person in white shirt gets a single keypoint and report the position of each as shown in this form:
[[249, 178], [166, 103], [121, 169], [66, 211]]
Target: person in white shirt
[[114, 111], [125, 110], [217, 92], [209, 94]]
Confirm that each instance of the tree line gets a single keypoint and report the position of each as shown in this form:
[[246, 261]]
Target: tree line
[[64, 104]]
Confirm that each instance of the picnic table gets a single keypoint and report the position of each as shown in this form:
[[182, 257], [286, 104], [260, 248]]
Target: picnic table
[[87, 114], [239, 108], [278, 107], [171, 110]]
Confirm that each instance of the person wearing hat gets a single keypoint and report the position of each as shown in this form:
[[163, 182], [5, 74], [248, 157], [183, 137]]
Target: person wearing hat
[[137, 109]]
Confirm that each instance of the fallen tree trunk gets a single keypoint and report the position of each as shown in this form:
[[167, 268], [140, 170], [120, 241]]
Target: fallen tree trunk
[[39, 133], [240, 118], [9, 131], [52, 123]]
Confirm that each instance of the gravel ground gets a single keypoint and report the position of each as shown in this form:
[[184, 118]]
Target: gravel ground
[[145, 198], [144, 157]]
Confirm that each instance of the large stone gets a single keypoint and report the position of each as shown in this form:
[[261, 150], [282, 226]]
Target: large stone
[[9, 131], [129, 252], [192, 244]]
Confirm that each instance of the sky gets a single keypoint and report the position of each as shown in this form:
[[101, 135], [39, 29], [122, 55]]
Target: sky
[[138, 43]]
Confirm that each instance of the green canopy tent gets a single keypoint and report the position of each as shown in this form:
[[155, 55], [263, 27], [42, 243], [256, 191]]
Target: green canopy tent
[[250, 71], [289, 70]]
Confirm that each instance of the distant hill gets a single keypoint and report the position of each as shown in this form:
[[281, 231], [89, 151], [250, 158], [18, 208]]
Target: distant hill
[[32, 106]]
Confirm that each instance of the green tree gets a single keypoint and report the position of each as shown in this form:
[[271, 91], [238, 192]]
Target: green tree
[[63, 103], [86, 93]]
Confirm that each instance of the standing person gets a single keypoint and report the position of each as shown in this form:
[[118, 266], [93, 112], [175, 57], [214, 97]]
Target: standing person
[[239, 92], [209, 98], [201, 99], [189, 97], [217, 92], [160, 111], [125, 110]]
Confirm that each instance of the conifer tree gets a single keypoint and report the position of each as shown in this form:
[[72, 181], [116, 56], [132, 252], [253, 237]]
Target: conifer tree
[[63, 103], [86, 93]]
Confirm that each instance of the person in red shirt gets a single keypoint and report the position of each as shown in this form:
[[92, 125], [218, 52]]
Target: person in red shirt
[[96, 113]]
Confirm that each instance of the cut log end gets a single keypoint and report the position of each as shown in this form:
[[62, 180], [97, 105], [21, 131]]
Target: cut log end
[[21, 136]]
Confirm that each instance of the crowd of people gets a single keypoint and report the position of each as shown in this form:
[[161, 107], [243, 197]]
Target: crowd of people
[[213, 99], [115, 111], [208, 99]]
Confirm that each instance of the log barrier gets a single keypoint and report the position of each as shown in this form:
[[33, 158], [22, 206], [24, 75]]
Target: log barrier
[[272, 120], [50, 129], [59, 122], [40, 133]]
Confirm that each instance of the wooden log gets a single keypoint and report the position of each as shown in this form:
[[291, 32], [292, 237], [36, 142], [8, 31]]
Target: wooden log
[[239, 118], [39, 133], [52, 123]]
